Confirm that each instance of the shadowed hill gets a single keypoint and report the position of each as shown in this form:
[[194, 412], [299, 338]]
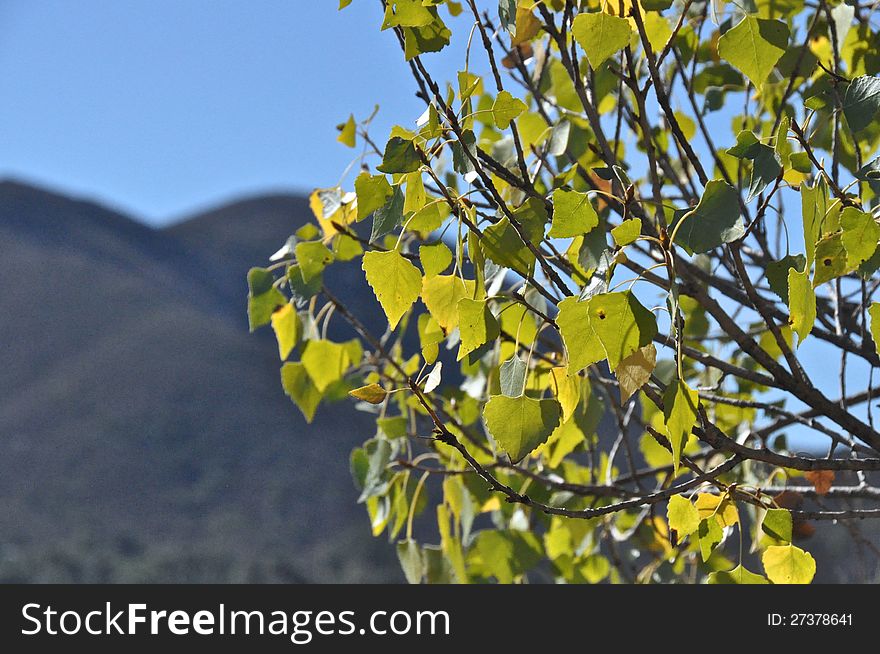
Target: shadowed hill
[[145, 435]]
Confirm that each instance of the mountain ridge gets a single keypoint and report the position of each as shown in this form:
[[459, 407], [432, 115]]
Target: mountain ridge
[[145, 434]]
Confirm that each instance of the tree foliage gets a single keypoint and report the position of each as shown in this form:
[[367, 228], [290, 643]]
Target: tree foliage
[[627, 259]]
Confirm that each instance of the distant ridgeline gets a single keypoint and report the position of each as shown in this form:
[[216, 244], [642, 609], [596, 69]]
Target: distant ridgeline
[[143, 434]]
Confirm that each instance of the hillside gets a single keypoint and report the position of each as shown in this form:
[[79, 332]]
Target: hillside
[[144, 432]]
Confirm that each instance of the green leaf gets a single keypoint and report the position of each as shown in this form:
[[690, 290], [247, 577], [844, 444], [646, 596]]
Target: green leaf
[[709, 534], [801, 303], [441, 295], [600, 35], [312, 257], [831, 259], [400, 156], [627, 232], [754, 46], [787, 564], [860, 235], [406, 13], [388, 217], [573, 214], [777, 273], [410, 556], [682, 516], [861, 102], [874, 313], [503, 245], [715, 220], [394, 280], [263, 297], [777, 524], [506, 108], [348, 133], [435, 258], [476, 325], [739, 575], [520, 424], [621, 324], [680, 413], [288, 329], [373, 192], [298, 386], [815, 212], [372, 393], [415, 197], [512, 374], [581, 343], [325, 361]]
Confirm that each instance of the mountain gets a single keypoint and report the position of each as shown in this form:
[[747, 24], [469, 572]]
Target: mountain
[[144, 435]]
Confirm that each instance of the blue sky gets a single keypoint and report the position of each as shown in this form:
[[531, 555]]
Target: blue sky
[[161, 107]]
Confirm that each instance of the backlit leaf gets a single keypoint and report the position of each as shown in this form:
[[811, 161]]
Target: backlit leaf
[[680, 414], [372, 393], [787, 564], [600, 35], [506, 108], [288, 329], [801, 303], [754, 46], [682, 516], [573, 214], [394, 280], [476, 324], [520, 424]]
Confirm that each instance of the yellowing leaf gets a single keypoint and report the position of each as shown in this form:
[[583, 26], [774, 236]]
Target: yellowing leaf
[[520, 424], [298, 386], [263, 297], [801, 303], [682, 516], [394, 280], [739, 575], [567, 389], [627, 232], [526, 26], [573, 214], [719, 506], [441, 295], [506, 108], [600, 35], [621, 324], [635, 371], [435, 258], [325, 362], [581, 343], [754, 46], [860, 235], [777, 524], [874, 313], [372, 393], [348, 133], [680, 411], [787, 564], [288, 329], [476, 324], [373, 192]]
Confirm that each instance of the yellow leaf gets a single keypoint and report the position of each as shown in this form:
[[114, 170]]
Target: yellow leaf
[[720, 506], [372, 393], [287, 327]]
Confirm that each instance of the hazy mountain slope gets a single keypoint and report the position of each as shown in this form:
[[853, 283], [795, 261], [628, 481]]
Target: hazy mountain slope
[[143, 432]]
